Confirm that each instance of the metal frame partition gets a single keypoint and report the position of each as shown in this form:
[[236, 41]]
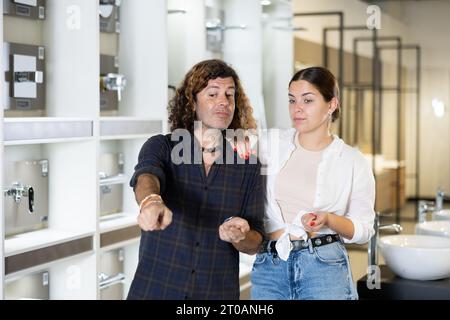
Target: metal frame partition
[[378, 89], [417, 92], [397, 89], [356, 85], [340, 15], [399, 47]]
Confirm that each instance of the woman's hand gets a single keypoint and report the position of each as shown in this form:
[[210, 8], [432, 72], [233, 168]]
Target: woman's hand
[[314, 221], [245, 145]]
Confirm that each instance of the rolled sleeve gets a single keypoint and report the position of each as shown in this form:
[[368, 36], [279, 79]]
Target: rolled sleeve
[[362, 232], [152, 159], [362, 201]]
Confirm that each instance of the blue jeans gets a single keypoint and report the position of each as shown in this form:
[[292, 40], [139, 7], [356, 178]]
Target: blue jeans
[[320, 273]]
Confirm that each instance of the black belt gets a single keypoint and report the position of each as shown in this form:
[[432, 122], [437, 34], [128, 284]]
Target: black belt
[[269, 245]]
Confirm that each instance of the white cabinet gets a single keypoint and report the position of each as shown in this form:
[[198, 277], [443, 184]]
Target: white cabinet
[[71, 134], [158, 42]]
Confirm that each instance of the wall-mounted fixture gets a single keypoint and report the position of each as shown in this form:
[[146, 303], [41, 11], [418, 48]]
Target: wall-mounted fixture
[[112, 276], [109, 16], [30, 9], [26, 196], [215, 28], [111, 183], [111, 83], [24, 86]]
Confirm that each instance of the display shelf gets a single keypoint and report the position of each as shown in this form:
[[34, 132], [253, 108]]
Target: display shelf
[[40, 247], [120, 236], [39, 239], [70, 229], [18, 131], [65, 279], [72, 134], [117, 221], [10, 277], [117, 267], [118, 128]]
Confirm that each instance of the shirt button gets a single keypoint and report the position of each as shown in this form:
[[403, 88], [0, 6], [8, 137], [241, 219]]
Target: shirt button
[[193, 271], [206, 188], [197, 244]]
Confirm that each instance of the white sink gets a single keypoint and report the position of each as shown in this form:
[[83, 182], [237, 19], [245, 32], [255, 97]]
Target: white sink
[[442, 215], [417, 257], [434, 228]]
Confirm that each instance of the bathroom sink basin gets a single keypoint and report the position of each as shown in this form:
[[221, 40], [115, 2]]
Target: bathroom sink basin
[[434, 228], [442, 215], [417, 257]]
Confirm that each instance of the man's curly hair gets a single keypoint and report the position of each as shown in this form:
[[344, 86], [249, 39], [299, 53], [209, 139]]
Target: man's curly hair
[[182, 105]]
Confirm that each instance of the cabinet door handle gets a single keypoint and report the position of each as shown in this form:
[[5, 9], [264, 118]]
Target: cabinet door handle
[[30, 200]]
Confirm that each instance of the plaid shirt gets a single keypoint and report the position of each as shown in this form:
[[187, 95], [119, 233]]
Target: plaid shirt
[[188, 260]]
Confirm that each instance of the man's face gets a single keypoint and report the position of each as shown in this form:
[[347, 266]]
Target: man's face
[[215, 103]]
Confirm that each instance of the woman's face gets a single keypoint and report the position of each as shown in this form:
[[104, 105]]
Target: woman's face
[[307, 107], [215, 104]]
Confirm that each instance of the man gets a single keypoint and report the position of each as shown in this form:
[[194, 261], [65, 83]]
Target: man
[[198, 213]]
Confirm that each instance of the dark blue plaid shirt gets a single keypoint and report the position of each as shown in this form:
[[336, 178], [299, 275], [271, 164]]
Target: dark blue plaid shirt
[[188, 260]]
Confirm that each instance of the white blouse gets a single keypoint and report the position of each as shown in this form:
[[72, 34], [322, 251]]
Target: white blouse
[[345, 186]]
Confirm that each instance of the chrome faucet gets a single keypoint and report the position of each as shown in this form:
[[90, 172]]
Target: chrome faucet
[[372, 251], [424, 208], [440, 197], [18, 191], [113, 82]]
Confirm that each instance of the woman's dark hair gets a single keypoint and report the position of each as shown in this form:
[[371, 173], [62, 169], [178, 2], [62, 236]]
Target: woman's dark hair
[[325, 83], [182, 105]]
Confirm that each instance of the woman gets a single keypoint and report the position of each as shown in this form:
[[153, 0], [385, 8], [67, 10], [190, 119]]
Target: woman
[[320, 193]]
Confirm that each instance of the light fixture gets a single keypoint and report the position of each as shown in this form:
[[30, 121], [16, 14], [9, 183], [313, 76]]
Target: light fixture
[[266, 2], [438, 107]]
